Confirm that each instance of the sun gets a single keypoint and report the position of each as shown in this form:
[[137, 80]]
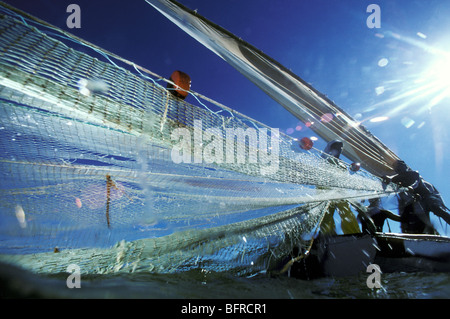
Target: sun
[[437, 78], [422, 84], [425, 89], [441, 70]]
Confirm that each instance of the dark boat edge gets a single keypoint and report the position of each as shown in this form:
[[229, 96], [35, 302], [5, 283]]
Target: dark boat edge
[[346, 255]]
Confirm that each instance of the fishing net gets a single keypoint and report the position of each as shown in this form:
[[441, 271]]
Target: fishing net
[[294, 94], [101, 166]]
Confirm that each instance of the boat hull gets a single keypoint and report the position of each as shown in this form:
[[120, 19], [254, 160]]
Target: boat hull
[[412, 253], [346, 255]]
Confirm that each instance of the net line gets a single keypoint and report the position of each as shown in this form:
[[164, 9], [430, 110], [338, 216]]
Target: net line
[[69, 157], [290, 91]]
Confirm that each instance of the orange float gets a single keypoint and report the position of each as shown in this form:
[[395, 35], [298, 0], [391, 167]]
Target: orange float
[[306, 143], [181, 86]]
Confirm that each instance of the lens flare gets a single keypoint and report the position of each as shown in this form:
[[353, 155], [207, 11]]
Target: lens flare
[[379, 119], [426, 87]]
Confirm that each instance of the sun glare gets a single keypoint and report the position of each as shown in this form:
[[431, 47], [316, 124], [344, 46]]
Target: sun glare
[[417, 92], [438, 77], [442, 72]]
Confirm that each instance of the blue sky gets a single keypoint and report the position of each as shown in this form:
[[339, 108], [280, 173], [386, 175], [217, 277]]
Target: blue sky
[[398, 74]]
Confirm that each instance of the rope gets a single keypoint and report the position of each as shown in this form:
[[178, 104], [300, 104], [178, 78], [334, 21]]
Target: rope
[[306, 253]]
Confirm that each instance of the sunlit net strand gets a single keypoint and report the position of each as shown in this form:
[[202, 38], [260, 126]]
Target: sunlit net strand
[[96, 170], [199, 24], [241, 248], [52, 164], [55, 60], [107, 55], [28, 48]]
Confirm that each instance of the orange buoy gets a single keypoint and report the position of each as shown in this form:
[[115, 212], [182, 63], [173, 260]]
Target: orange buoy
[[306, 143], [182, 84], [355, 167]]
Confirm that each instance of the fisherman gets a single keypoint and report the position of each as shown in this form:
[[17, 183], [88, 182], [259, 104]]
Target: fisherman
[[333, 151], [349, 224], [372, 218], [416, 203]]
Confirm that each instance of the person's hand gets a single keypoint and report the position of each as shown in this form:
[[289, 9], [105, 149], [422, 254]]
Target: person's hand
[[386, 180]]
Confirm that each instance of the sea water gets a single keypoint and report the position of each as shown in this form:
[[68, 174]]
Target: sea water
[[203, 284]]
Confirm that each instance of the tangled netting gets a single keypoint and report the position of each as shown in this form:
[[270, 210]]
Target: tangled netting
[[102, 167]]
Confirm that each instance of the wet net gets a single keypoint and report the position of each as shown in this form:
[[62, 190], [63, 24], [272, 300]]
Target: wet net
[[101, 166]]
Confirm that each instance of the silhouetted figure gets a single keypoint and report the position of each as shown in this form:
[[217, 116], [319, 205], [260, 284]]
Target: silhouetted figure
[[418, 201], [374, 216]]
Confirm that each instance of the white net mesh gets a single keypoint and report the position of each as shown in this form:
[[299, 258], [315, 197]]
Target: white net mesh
[[116, 158]]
